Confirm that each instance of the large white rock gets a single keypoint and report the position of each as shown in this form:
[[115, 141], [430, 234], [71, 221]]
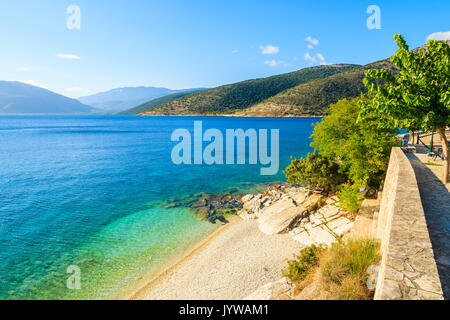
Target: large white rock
[[312, 201], [318, 236], [321, 236], [329, 212], [277, 207], [278, 217], [300, 196], [340, 226], [254, 204]]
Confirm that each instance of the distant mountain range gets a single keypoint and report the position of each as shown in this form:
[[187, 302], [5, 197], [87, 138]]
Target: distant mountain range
[[120, 99], [239, 96], [306, 92], [18, 97]]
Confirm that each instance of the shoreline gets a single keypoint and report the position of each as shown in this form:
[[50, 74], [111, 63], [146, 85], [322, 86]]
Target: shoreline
[[231, 264], [244, 258], [138, 293], [223, 116]]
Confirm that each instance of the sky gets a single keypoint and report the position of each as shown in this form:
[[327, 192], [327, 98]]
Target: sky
[[189, 44]]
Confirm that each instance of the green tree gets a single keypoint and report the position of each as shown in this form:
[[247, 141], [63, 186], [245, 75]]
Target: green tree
[[315, 172], [418, 96], [361, 148]]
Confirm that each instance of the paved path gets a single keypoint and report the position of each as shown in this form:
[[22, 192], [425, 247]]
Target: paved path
[[436, 204]]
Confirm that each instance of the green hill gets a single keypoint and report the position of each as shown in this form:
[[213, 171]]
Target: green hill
[[314, 97], [237, 96], [152, 104]]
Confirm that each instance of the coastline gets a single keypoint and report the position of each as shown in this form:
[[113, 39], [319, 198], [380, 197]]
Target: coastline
[[138, 292], [231, 264], [244, 258], [225, 116]]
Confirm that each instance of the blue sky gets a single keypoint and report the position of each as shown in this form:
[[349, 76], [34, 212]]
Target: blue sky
[[185, 44]]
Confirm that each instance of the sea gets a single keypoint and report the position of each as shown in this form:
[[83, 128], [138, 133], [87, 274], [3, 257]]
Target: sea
[[86, 196]]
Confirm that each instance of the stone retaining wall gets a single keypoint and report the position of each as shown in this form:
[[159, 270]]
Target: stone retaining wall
[[408, 268]]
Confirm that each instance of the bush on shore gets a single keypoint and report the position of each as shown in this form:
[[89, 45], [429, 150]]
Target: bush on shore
[[344, 268], [315, 172], [350, 197], [339, 272], [299, 267]]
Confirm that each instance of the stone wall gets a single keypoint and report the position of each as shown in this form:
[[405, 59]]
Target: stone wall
[[408, 268]]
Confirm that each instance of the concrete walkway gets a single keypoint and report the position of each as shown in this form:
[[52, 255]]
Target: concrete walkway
[[436, 204]]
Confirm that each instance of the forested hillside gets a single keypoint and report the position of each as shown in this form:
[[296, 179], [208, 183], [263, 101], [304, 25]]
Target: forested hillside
[[314, 97], [237, 96]]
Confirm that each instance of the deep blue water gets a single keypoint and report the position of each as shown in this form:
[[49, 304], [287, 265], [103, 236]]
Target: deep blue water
[[87, 191]]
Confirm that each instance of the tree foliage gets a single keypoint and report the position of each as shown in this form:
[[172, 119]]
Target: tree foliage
[[418, 96], [361, 148], [348, 155], [315, 172]]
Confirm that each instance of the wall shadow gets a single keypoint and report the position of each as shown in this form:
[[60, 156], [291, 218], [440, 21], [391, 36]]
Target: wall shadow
[[436, 204]]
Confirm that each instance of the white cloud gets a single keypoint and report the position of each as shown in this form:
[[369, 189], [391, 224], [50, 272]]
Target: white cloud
[[312, 42], [235, 51], [68, 56], [269, 49], [310, 58], [33, 83], [321, 59], [314, 59], [276, 63], [271, 63], [439, 36]]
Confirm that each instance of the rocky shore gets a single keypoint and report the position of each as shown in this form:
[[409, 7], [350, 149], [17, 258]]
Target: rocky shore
[[308, 217], [244, 259]]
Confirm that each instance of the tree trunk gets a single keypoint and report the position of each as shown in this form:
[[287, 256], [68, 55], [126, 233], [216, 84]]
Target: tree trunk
[[445, 153]]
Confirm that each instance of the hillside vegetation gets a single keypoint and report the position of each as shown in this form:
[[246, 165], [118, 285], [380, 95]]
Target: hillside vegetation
[[230, 98], [314, 97], [152, 104]]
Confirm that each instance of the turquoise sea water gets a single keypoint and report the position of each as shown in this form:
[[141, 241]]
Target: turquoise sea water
[[88, 191]]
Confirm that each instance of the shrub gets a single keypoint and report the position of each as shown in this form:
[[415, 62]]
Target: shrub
[[350, 197], [298, 268], [344, 268], [316, 172]]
